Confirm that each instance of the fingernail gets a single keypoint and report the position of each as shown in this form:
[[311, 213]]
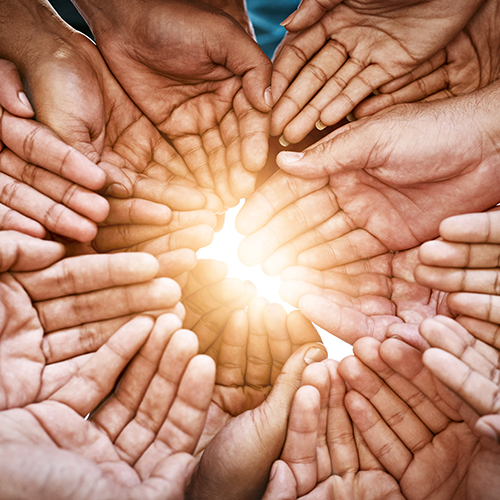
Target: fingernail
[[291, 156], [350, 117], [24, 99], [268, 97], [283, 141], [289, 19], [315, 355], [320, 125], [376, 91]]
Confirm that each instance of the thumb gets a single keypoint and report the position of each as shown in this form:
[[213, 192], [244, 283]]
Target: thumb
[[308, 12], [12, 96], [347, 148], [246, 59], [289, 380], [282, 484]]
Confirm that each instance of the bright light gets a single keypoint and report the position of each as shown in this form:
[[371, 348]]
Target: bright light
[[224, 248]]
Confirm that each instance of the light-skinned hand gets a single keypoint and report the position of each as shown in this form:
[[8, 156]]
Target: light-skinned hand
[[355, 47], [137, 445]]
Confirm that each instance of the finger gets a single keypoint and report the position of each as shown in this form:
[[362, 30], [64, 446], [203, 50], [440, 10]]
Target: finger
[[175, 263], [483, 307], [241, 181], [185, 421], [231, 362], [489, 426], [299, 451], [54, 216], [211, 297], [382, 441], [293, 57], [193, 238], [126, 235], [325, 232], [343, 322], [206, 272], [160, 395], [64, 312], [253, 131], [98, 376], [444, 333], [281, 485], [87, 273], [308, 12], [472, 228], [300, 330], [259, 361], [353, 246], [280, 345], [137, 211], [357, 88], [125, 404], [38, 145], [361, 284], [477, 390], [277, 193], [295, 219], [10, 220], [82, 201], [12, 96], [21, 252], [407, 361], [314, 87], [191, 148], [482, 330], [216, 153], [368, 351]]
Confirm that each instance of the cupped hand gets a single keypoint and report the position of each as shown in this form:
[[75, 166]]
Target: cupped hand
[[260, 357], [208, 92], [412, 429], [323, 72], [467, 63], [417, 163], [136, 445], [53, 313]]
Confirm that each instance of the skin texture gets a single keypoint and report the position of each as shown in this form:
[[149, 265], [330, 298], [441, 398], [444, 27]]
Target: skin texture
[[260, 355], [395, 434], [467, 63], [429, 169], [56, 311], [136, 445], [323, 72], [211, 84]]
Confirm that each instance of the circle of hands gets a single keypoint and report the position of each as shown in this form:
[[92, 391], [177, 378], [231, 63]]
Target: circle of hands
[[130, 369]]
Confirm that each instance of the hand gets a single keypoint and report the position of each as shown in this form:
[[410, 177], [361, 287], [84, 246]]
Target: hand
[[104, 124], [466, 264], [213, 85], [396, 405], [423, 171], [135, 446], [466, 64], [324, 455], [41, 177], [255, 384], [468, 365], [210, 298], [353, 49], [377, 298], [59, 310]]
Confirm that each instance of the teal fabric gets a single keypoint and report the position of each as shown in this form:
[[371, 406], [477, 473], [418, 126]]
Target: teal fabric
[[266, 16]]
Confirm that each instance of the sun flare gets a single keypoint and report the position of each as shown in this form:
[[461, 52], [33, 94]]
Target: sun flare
[[224, 248]]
